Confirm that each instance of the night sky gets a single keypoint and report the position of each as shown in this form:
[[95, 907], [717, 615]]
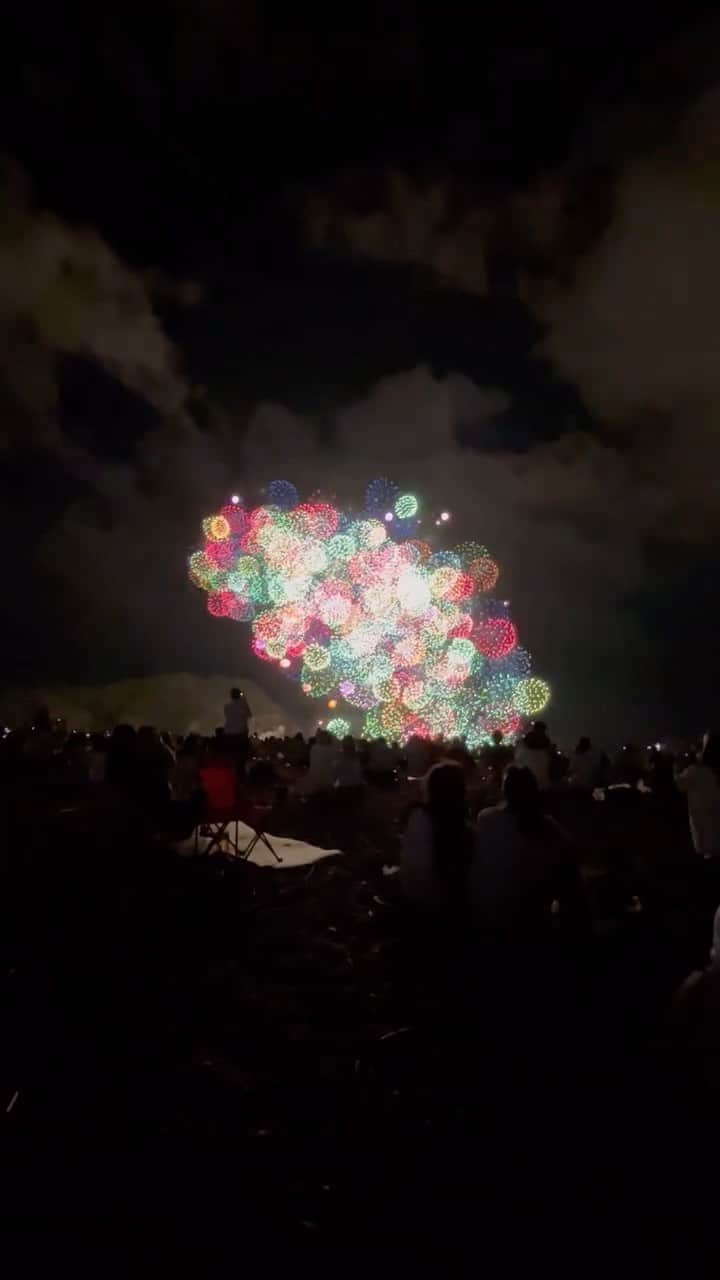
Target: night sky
[[240, 242]]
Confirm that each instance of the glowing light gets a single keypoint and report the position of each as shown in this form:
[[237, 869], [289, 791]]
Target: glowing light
[[282, 494], [496, 637], [406, 506], [339, 727], [235, 499], [531, 696], [357, 607], [380, 494], [484, 573]]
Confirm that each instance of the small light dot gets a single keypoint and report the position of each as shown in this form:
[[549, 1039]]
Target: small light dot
[[444, 515], [235, 499], [285, 662], [388, 515]]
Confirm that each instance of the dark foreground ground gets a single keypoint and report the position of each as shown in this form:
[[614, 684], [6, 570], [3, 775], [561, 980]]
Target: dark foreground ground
[[203, 1054]]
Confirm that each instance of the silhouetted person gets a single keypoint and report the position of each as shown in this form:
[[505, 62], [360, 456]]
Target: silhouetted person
[[496, 758], [41, 720], [418, 755], [382, 762], [701, 784], [154, 765], [585, 766], [631, 764], [522, 872], [320, 777], [237, 725], [122, 758], [535, 753], [348, 768], [97, 759], [660, 776], [438, 842], [188, 798]]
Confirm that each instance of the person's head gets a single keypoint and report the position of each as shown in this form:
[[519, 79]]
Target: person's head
[[583, 746], [445, 805], [322, 737], [537, 737], [445, 789], [497, 737], [235, 694], [147, 737], [711, 750], [521, 791]]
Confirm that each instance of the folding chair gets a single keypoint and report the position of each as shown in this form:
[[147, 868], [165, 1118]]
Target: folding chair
[[253, 815], [229, 804]]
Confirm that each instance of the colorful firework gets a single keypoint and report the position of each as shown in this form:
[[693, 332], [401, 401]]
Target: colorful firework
[[360, 610]]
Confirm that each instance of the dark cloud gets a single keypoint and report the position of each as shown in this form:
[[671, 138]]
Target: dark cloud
[[540, 177], [621, 269], [66, 293], [557, 518], [634, 327]]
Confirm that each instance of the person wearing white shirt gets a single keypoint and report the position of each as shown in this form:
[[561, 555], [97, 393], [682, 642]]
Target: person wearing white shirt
[[322, 771], [701, 784], [585, 763], [534, 753]]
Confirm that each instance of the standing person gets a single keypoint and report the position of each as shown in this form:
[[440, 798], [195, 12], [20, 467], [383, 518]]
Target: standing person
[[237, 726], [585, 766], [522, 871], [535, 753], [418, 754], [701, 784], [496, 757], [320, 777]]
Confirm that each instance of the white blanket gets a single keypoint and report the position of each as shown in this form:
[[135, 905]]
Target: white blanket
[[294, 853]]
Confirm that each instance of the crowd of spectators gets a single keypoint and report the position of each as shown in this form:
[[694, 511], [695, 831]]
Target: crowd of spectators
[[483, 858]]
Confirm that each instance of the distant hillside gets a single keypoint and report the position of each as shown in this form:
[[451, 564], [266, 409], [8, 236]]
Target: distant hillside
[[182, 703]]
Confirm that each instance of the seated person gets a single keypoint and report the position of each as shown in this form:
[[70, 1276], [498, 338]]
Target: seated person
[[438, 841]]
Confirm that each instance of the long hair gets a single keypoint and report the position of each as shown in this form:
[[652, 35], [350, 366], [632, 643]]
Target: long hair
[[522, 797], [445, 791]]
